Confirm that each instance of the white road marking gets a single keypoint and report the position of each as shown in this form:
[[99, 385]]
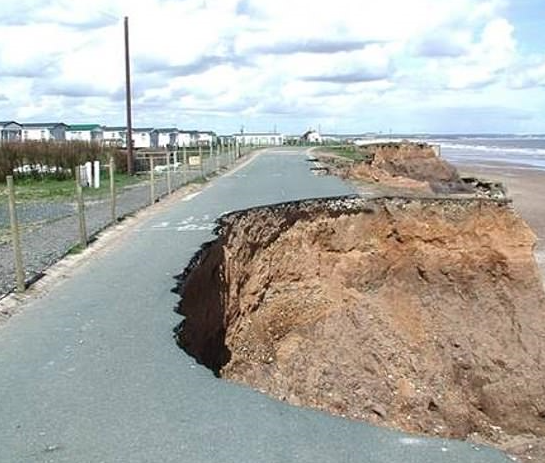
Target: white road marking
[[195, 227], [191, 196], [189, 224]]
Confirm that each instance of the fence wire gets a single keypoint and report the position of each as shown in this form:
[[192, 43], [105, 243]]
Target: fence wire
[[47, 213]]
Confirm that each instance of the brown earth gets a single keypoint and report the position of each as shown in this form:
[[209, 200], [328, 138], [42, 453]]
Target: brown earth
[[526, 187], [421, 314], [400, 165]]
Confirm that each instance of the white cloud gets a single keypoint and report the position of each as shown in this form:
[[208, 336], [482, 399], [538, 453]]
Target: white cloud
[[255, 60]]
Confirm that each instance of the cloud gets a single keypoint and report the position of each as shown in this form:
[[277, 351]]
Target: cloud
[[73, 90], [313, 46], [350, 78], [202, 64], [529, 75], [441, 43], [231, 61], [29, 69]]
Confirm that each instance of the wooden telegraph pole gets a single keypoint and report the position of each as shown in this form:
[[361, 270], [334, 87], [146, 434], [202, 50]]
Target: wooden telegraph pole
[[130, 166]]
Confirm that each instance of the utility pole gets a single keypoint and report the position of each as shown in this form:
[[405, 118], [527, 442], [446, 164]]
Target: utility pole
[[130, 166]]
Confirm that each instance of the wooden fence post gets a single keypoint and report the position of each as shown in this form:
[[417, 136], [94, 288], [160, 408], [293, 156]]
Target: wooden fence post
[[15, 237], [184, 165], [201, 163], [152, 179], [81, 210], [169, 184], [112, 189]]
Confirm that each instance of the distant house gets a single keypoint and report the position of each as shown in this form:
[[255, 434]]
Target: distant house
[[184, 138], [226, 139], [206, 138], [85, 132], [114, 136], [164, 138], [259, 139], [142, 137], [312, 136], [50, 131], [188, 137], [10, 131], [117, 136]]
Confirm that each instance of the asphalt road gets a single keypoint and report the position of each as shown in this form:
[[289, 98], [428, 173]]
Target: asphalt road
[[91, 373]]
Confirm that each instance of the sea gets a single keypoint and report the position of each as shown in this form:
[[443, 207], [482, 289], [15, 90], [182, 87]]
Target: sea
[[518, 151]]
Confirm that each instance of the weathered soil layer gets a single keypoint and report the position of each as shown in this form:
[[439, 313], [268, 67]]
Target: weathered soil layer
[[422, 314], [406, 166]]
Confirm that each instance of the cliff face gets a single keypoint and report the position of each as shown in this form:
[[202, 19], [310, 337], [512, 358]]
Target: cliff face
[[405, 165], [426, 315]]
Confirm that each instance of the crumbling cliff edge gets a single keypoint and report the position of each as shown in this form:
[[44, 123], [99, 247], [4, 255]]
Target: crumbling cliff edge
[[422, 314]]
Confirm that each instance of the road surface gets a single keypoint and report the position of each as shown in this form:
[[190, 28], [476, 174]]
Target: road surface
[[90, 373]]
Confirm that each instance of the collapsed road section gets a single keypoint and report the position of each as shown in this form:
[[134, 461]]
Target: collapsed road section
[[421, 314]]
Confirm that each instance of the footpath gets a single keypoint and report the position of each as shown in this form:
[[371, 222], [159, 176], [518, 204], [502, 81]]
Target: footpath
[[90, 373]]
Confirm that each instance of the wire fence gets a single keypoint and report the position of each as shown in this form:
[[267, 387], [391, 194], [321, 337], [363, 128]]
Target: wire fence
[[49, 224]]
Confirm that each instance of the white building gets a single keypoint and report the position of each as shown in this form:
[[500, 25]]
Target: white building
[[142, 138], [312, 136], [114, 136], [187, 137], [259, 139], [10, 131], [54, 131], [85, 132], [206, 138], [165, 138], [117, 136]]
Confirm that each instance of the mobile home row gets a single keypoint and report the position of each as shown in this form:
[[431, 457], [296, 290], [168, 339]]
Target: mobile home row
[[147, 137]]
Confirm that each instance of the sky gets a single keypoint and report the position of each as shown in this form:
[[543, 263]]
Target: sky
[[343, 66]]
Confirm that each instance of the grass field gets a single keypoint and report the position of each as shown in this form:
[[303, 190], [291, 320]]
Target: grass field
[[51, 189], [350, 152]]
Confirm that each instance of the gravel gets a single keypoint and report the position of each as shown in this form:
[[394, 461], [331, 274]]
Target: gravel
[[49, 230]]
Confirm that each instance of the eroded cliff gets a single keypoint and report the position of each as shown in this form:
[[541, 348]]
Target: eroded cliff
[[422, 314]]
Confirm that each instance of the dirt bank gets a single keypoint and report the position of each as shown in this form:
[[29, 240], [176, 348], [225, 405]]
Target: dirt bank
[[424, 315], [526, 187], [403, 166]]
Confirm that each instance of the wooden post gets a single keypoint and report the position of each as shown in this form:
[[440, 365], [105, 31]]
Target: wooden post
[[201, 163], [130, 155], [112, 189], [169, 184], [152, 179], [81, 210], [15, 238], [184, 165]]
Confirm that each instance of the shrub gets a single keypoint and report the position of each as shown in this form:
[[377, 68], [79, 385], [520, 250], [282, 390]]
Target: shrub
[[53, 159]]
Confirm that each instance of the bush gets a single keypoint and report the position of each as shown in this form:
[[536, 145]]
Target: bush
[[53, 159]]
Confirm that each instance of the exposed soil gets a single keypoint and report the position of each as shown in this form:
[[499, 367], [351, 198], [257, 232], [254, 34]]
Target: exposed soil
[[422, 314], [407, 167]]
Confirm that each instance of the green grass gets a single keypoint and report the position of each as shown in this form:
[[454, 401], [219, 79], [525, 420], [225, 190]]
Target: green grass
[[77, 249], [51, 189], [349, 152]]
